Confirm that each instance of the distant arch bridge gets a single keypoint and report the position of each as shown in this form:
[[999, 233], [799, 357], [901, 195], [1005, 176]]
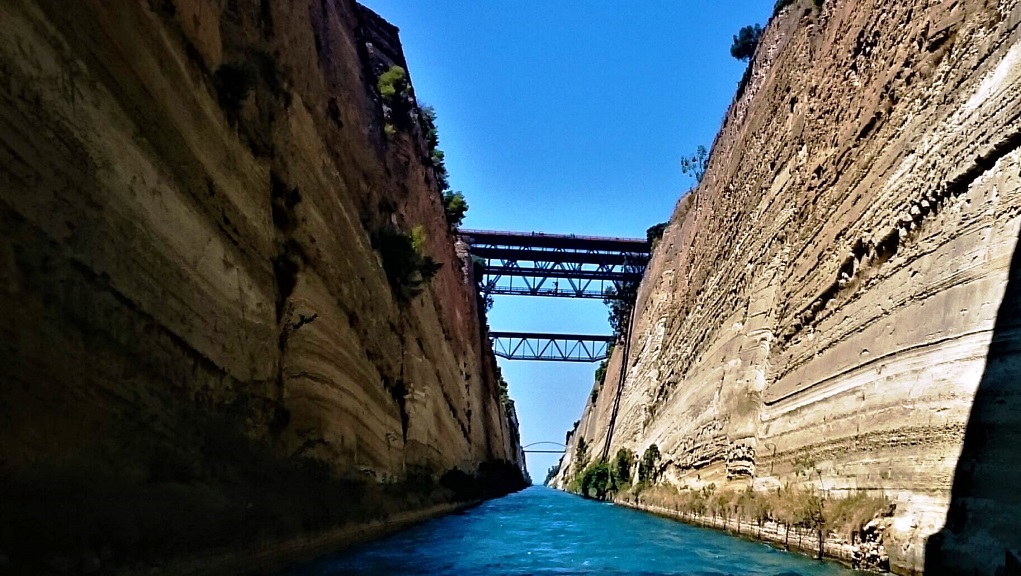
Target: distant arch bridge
[[525, 448]]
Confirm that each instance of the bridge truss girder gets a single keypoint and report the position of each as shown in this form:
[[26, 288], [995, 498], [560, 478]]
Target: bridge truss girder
[[566, 266], [550, 347], [554, 279]]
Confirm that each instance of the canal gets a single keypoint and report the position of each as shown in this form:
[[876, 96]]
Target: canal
[[545, 532]]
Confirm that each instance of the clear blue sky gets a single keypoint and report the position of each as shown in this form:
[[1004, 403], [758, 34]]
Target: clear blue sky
[[569, 117]]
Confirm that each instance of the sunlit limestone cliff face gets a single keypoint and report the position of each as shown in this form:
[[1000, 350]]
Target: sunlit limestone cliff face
[[837, 303], [200, 347]]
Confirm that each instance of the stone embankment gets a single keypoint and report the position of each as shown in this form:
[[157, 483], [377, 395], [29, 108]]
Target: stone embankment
[[868, 554], [206, 342], [835, 305]]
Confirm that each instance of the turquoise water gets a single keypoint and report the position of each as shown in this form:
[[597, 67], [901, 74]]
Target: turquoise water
[[544, 532]]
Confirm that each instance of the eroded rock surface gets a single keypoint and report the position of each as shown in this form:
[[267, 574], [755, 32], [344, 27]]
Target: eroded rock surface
[[828, 307], [193, 312]]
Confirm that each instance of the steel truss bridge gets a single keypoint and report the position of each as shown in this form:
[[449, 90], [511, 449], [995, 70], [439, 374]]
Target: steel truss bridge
[[554, 347], [559, 266]]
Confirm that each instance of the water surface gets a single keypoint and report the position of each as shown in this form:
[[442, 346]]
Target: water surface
[[545, 532]]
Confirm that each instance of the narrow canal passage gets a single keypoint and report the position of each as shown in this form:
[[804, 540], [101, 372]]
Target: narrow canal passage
[[545, 532]]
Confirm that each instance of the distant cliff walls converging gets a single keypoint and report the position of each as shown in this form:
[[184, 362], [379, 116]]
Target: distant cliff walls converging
[[207, 340], [827, 309]]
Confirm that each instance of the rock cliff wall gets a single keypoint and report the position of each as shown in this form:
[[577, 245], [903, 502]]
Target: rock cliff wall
[[831, 305], [200, 346]]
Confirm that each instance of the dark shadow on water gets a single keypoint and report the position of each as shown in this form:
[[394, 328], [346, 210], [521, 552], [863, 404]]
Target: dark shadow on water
[[983, 525]]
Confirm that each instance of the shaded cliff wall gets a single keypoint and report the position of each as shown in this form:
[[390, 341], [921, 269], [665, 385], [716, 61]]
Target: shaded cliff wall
[[829, 293], [188, 194]]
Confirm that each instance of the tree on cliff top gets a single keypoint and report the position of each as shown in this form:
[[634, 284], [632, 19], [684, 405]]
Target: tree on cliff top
[[655, 233], [745, 42], [743, 48], [696, 164]]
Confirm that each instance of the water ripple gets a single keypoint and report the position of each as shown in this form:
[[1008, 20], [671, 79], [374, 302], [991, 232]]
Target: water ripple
[[541, 532]]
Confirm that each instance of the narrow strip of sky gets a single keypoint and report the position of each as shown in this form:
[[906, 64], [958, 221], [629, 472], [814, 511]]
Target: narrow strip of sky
[[569, 117]]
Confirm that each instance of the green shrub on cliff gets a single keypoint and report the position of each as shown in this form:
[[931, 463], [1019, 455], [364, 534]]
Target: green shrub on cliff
[[595, 481], [395, 93], [393, 86], [505, 398], [581, 454], [620, 299], [600, 374], [745, 42], [429, 130], [406, 266], [654, 234], [432, 141], [621, 468], [454, 204], [454, 207], [647, 468], [578, 465]]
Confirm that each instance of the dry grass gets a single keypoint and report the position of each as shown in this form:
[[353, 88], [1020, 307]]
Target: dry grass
[[789, 506]]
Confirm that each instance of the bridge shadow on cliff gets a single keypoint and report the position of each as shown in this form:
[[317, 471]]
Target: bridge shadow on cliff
[[982, 533]]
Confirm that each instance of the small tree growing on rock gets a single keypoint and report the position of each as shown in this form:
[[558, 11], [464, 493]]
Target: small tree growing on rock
[[454, 207], [745, 42], [696, 164], [621, 468], [405, 263], [395, 93], [647, 466], [596, 479]]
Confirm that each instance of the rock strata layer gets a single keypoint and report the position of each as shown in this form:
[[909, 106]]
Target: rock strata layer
[[836, 303], [200, 347]]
